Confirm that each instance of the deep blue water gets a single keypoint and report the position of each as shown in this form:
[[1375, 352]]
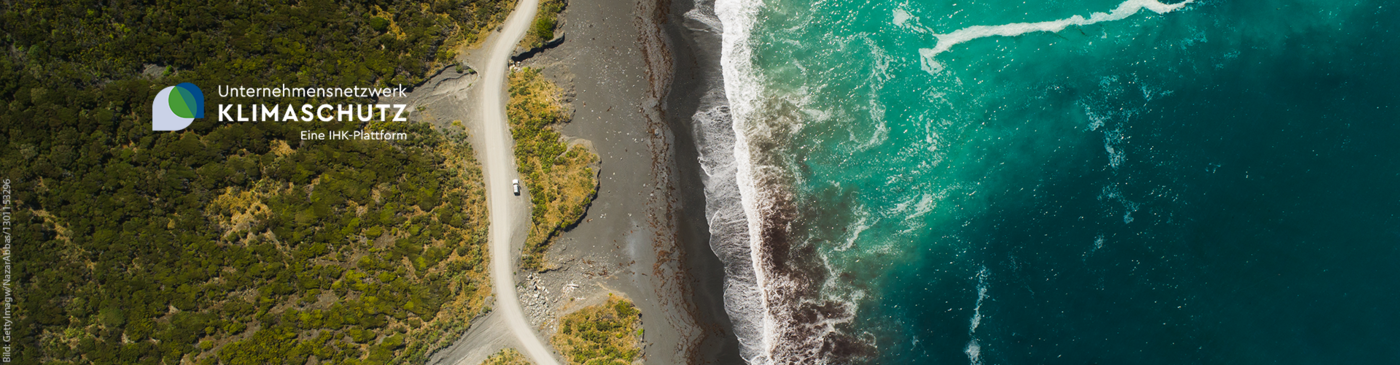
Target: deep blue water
[[1210, 184]]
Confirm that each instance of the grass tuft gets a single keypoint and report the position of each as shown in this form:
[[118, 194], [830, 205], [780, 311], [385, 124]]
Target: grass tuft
[[507, 356]]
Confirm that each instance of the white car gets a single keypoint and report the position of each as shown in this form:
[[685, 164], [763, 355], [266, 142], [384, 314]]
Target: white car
[[515, 186]]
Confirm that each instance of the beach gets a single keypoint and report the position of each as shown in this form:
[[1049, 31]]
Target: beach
[[627, 73], [695, 54]]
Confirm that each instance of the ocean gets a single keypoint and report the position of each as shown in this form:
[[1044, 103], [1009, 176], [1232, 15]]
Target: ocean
[[1056, 182]]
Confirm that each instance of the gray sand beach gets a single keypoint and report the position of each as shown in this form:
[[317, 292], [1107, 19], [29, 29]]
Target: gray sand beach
[[645, 236]]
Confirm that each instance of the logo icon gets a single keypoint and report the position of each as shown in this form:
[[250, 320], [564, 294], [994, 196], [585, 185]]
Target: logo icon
[[176, 107]]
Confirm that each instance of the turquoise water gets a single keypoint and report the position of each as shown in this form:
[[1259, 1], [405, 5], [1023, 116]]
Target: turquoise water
[[1213, 182]]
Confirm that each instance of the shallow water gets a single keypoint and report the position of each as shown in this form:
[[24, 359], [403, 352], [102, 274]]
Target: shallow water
[[1207, 182]]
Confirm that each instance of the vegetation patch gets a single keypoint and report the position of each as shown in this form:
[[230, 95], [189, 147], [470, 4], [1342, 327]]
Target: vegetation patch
[[546, 22], [507, 356], [351, 253], [562, 179], [607, 333], [234, 243]]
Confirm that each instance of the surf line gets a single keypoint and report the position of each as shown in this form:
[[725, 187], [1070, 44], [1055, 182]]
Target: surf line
[[1123, 11]]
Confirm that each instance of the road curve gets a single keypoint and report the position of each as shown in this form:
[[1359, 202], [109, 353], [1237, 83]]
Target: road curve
[[499, 169]]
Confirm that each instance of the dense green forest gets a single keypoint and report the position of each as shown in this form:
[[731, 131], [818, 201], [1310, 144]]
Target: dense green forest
[[562, 178], [233, 243]]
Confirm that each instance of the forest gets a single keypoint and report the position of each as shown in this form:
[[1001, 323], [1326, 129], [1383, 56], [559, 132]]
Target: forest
[[234, 243]]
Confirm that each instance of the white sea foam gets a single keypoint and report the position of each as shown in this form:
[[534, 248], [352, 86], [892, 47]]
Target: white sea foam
[[974, 352], [1149, 92], [926, 204], [862, 223], [920, 205], [876, 81], [768, 333], [901, 207], [948, 40], [729, 221], [974, 349], [1111, 144], [1111, 192], [742, 89], [1196, 37], [1109, 84], [1113, 106], [1095, 120], [976, 321], [1098, 245], [901, 17], [927, 63]]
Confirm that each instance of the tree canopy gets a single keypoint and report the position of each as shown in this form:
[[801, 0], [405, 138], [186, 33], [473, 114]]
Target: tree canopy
[[233, 243]]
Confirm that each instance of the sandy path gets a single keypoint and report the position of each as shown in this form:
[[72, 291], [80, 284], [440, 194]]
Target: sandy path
[[499, 169]]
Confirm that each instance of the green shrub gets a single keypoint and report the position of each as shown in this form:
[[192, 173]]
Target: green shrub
[[608, 333], [546, 20], [543, 28], [379, 24], [507, 356]]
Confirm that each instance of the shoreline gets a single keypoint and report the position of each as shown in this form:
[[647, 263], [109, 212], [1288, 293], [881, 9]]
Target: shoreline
[[632, 90], [631, 78], [693, 67], [612, 71]]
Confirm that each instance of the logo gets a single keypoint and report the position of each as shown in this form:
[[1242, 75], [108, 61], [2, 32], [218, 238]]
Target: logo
[[176, 107]]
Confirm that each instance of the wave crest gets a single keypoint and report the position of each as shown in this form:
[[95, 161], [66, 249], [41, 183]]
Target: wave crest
[[775, 302]]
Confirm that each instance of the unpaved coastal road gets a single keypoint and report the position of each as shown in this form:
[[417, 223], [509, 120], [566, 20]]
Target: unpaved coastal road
[[499, 169]]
